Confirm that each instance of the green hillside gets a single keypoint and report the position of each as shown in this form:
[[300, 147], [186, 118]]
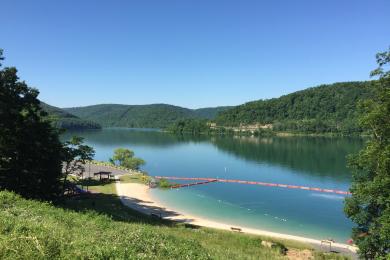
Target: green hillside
[[64, 119], [210, 112], [322, 109], [142, 116], [100, 227]]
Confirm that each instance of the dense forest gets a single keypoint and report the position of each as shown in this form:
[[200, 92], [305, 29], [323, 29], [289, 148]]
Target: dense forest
[[324, 109], [141, 116], [210, 112], [63, 119], [191, 126]]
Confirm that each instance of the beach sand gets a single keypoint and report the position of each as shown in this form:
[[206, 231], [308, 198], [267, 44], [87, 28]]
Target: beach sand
[[138, 197]]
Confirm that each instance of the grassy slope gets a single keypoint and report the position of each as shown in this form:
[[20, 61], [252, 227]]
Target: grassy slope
[[33, 230], [99, 226]]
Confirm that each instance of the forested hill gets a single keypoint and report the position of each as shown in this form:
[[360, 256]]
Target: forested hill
[[145, 116], [326, 108], [209, 112], [64, 119]]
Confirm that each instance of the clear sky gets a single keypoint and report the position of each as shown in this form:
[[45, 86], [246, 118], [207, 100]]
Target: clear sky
[[190, 53]]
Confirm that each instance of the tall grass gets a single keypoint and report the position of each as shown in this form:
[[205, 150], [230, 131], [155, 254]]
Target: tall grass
[[98, 226], [36, 230]]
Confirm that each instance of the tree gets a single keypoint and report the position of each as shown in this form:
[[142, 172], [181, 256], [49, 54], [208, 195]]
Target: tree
[[120, 155], [133, 163], [369, 205], [30, 150], [75, 155], [125, 158]]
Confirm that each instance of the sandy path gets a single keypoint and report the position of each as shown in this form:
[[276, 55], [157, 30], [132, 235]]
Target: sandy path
[[137, 196]]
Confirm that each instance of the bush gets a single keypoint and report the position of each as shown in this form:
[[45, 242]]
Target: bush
[[282, 249], [163, 183]]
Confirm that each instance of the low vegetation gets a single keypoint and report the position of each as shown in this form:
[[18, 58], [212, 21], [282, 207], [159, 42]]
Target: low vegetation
[[136, 178], [36, 230], [99, 226]]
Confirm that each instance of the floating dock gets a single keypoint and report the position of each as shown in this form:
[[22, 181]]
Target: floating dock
[[209, 180]]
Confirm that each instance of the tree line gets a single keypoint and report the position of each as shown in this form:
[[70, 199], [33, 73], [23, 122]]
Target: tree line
[[323, 109], [62, 119], [141, 116]]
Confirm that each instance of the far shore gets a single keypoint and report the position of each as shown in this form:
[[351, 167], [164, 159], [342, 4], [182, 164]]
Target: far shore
[[138, 197]]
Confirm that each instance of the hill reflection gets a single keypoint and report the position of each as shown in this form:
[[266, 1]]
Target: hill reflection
[[321, 156]]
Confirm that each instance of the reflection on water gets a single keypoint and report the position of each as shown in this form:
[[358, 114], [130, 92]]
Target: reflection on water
[[308, 161], [322, 156]]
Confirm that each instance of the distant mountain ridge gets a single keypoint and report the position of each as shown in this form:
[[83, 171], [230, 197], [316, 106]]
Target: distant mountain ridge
[[63, 119], [142, 116], [328, 108]]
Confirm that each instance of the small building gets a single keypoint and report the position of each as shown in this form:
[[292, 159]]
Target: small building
[[104, 175]]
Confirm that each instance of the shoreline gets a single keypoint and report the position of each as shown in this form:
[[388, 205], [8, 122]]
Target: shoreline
[[137, 196]]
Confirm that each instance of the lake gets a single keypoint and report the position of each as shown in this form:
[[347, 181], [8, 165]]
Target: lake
[[307, 161]]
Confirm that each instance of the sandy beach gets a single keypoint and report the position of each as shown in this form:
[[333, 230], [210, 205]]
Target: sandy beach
[[138, 197]]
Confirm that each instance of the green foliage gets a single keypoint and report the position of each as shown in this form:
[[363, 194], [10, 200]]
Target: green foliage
[[369, 205], [30, 150], [121, 154], [190, 126], [140, 116], [323, 109], [136, 178], [62, 119], [164, 183], [209, 112], [282, 249], [75, 155], [125, 158], [111, 165], [133, 163], [202, 126]]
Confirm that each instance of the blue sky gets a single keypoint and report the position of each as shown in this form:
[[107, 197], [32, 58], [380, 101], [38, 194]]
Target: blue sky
[[189, 53]]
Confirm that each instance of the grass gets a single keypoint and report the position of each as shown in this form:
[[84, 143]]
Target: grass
[[145, 179], [135, 178], [93, 185], [99, 226], [36, 230]]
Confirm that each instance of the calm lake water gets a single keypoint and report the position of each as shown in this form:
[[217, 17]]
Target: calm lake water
[[308, 161]]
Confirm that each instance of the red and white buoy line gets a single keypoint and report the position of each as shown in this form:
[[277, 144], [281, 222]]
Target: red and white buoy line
[[208, 180]]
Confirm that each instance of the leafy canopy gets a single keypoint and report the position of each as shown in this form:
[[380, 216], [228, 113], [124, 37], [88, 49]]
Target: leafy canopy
[[30, 150], [125, 158], [75, 154], [369, 205], [31, 155], [322, 109]]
